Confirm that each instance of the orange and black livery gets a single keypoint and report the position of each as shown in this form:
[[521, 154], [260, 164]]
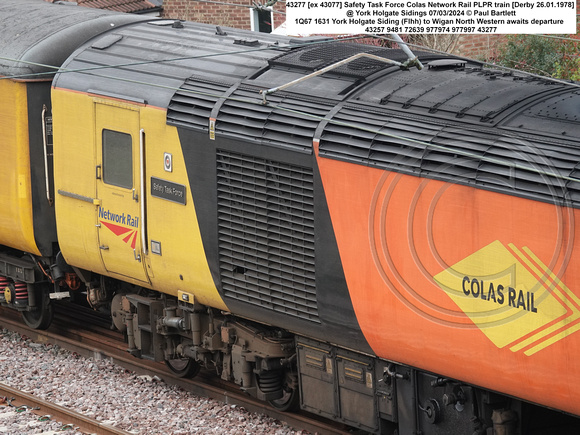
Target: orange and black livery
[[387, 246]]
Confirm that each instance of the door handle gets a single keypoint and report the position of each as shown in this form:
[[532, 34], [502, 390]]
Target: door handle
[[104, 247]]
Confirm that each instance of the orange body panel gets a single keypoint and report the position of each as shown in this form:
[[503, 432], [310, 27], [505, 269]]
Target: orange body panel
[[468, 283]]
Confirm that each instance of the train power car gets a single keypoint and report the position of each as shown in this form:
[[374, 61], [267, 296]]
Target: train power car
[[35, 41], [389, 247]]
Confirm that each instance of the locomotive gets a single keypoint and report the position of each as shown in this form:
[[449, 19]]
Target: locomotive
[[318, 221]]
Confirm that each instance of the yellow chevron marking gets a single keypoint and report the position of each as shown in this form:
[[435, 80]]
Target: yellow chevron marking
[[512, 297], [566, 325]]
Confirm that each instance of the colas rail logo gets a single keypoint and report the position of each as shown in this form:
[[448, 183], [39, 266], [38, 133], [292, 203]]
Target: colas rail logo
[[512, 297], [123, 225]]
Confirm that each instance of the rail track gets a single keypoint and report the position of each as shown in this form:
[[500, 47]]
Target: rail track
[[69, 418], [92, 339]]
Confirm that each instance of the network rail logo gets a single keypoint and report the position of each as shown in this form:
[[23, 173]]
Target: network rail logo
[[525, 307], [122, 225]]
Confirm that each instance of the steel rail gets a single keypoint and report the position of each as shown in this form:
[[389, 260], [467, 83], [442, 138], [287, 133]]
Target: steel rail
[[92, 344], [58, 413]]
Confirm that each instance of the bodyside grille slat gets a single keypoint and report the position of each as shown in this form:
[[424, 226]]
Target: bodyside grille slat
[[266, 234]]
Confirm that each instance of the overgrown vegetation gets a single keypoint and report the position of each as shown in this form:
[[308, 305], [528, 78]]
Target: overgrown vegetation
[[540, 54]]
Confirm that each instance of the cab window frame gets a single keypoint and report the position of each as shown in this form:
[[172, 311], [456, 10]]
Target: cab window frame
[[117, 153]]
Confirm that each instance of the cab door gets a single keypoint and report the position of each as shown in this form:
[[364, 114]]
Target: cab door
[[120, 214]]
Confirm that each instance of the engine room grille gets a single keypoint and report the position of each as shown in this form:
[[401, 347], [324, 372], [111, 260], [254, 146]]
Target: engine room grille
[[266, 234]]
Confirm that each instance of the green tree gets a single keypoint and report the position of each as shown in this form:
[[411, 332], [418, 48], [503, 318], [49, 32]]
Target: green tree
[[554, 57]]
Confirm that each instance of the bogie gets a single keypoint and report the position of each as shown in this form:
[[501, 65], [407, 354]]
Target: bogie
[[30, 285], [187, 337]]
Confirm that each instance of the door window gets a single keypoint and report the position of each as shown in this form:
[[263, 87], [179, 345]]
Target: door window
[[117, 159]]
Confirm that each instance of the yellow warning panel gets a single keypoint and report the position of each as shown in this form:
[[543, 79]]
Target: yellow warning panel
[[16, 225], [512, 297]]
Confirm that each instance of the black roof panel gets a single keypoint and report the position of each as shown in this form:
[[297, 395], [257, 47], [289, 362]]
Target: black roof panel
[[36, 35]]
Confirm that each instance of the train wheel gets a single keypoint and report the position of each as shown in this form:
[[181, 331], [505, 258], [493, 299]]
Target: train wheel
[[41, 316], [183, 367], [275, 381], [288, 402]]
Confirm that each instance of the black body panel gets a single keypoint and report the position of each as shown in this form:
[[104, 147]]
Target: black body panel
[[43, 211], [335, 320]]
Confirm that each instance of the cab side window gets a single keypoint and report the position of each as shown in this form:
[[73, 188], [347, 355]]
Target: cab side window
[[117, 159]]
